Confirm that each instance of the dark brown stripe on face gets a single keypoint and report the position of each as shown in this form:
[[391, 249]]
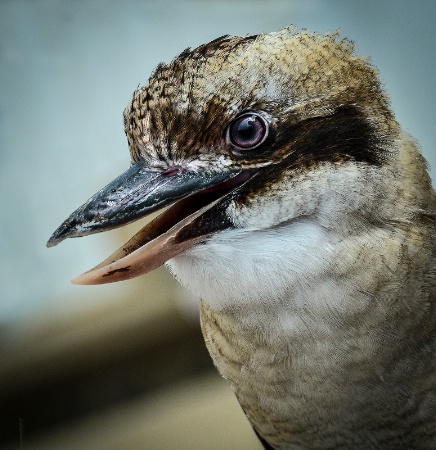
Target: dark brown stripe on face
[[345, 135]]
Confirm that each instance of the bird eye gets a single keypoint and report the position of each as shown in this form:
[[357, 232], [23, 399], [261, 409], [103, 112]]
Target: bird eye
[[248, 131]]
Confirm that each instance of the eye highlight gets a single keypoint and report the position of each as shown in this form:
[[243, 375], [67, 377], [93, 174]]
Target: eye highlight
[[247, 131]]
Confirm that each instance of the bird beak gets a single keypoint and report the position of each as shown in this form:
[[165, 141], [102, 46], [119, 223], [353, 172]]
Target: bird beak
[[138, 192]]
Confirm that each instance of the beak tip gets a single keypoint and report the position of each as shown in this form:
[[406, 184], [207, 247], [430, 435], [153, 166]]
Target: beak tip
[[80, 280], [76, 281], [57, 237], [52, 242], [88, 278], [66, 230]]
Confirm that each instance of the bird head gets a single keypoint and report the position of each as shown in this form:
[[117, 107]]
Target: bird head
[[245, 133]]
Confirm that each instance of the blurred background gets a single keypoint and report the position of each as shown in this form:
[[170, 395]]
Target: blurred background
[[124, 365]]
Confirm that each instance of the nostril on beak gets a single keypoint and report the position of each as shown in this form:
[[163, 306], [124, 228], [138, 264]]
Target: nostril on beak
[[171, 171]]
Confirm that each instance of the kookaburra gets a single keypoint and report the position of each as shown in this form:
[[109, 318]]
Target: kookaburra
[[304, 218]]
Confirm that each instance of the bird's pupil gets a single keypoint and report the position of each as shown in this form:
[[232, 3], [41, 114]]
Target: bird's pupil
[[246, 130]]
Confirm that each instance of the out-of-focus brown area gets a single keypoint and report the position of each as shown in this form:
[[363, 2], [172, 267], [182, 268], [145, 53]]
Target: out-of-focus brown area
[[131, 373]]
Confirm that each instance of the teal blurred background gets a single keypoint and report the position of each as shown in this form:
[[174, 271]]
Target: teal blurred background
[[123, 365]]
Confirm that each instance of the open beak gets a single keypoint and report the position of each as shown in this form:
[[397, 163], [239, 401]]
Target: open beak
[[198, 213]]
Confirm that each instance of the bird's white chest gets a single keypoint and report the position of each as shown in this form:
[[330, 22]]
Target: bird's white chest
[[282, 317]]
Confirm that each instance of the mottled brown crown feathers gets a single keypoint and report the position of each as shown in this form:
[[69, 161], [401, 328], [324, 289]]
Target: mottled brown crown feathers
[[184, 109]]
